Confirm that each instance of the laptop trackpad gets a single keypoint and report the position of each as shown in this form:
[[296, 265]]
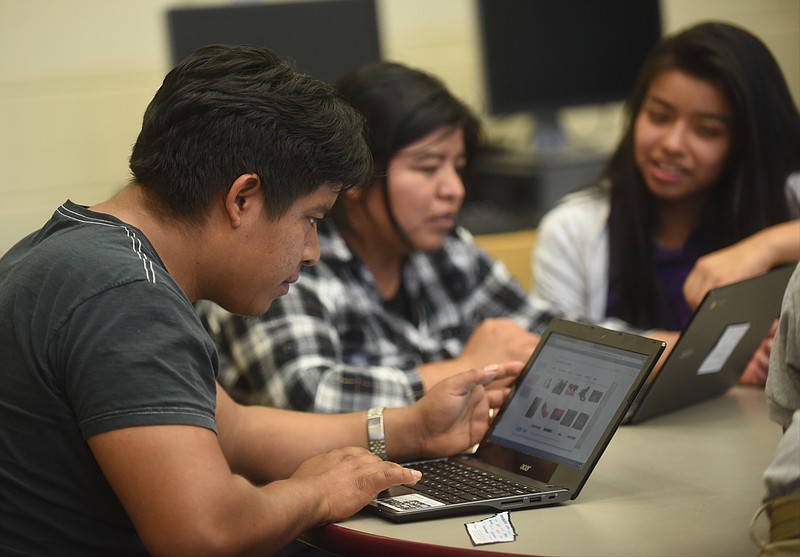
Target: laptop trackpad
[[402, 498]]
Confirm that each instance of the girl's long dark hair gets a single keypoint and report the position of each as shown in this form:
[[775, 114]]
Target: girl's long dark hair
[[750, 194]]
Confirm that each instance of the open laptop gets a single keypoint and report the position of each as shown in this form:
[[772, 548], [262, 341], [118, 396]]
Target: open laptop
[[546, 439], [715, 346]]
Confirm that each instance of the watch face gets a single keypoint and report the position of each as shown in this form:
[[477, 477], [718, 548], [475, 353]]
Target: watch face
[[377, 443]]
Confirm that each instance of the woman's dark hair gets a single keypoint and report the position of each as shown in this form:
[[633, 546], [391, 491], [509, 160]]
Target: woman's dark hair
[[402, 105], [750, 194], [230, 110]]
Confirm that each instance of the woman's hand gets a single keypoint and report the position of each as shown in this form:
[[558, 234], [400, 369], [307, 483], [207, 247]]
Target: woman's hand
[[755, 372], [755, 255]]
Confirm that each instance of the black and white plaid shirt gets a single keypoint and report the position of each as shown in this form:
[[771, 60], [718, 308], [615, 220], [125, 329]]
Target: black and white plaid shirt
[[334, 345]]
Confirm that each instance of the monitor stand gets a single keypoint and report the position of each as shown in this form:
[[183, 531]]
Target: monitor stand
[[548, 134]]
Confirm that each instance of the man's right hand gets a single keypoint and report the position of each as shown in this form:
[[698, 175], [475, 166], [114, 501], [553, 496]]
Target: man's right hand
[[346, 480]]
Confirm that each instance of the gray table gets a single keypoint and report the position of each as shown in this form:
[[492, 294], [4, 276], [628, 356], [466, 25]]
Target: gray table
[[686, 483]]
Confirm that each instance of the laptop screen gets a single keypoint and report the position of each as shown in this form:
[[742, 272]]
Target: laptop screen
[[566, 400]]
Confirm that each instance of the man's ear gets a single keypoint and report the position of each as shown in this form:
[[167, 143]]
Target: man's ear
[[354, 193], [244, 195]]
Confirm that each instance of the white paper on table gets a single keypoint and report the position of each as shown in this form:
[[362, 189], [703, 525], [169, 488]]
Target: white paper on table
[[495, 529]]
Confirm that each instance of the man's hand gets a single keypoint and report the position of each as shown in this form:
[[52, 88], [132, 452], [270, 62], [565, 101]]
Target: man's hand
[[345, 480], [454, 415]]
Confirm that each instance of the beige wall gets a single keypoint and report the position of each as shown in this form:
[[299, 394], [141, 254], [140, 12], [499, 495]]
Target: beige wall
[[76, 75]]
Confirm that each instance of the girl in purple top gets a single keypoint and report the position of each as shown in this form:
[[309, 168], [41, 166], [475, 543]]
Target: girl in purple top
[[701, 191]]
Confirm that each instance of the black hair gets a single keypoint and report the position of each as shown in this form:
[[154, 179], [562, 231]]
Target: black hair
[[750, 194], [402, 105], [229, 110]]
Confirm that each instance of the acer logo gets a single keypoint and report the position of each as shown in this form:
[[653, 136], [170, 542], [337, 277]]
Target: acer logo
[[524, 467]]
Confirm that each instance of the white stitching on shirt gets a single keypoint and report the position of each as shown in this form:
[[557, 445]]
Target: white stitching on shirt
[[136, 243]]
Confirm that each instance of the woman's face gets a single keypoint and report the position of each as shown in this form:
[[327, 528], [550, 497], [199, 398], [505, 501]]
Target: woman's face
[[682, 136], [425, 187]]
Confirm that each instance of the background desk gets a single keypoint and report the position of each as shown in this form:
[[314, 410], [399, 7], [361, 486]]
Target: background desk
[[686, 483], [509, 190]]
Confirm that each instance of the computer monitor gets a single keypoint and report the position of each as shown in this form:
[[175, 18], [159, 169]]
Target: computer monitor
[[541, 56], [325, 38]]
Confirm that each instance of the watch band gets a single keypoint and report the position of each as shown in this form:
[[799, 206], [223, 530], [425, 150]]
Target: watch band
[[377, 441]]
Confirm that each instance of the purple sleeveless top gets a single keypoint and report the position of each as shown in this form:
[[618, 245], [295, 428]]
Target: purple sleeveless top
[[672, 268]]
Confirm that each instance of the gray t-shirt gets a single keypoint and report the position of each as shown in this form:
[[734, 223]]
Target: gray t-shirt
[[782, 477], [95, 336], [783, 380]]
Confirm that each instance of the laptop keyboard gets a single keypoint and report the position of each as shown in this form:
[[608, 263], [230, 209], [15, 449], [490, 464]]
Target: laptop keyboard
[[454, 482]]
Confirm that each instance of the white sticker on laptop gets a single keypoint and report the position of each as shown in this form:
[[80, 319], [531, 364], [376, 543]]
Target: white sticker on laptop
[[723, 349], [410, 502]]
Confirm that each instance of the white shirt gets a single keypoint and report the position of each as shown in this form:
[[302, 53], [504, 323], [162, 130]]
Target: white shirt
[[570, 259]]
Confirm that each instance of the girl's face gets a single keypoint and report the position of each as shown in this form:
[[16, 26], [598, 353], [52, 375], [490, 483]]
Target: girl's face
[[682, 136], [425, 187]]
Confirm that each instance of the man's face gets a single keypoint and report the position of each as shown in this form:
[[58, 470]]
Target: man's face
[[266, 255]]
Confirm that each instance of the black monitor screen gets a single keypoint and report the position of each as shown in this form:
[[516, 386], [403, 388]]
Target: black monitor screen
[[325, 39], [543, 55]]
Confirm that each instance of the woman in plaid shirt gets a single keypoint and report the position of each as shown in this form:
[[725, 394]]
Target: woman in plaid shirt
[[401, 297]]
